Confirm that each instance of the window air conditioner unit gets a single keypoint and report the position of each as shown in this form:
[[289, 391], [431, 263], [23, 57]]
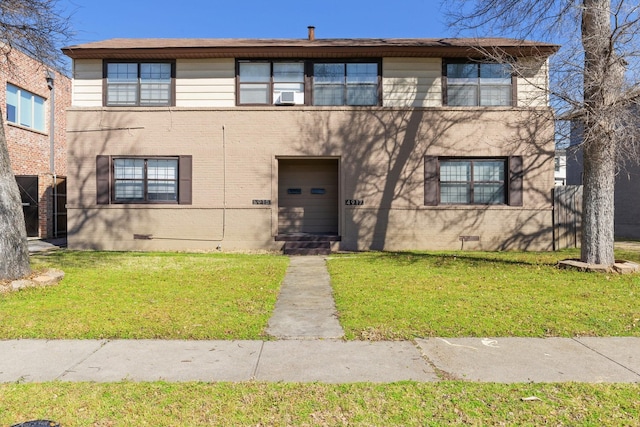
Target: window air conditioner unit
[[287, 97]]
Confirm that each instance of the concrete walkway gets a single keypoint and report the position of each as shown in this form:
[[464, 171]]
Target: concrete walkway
[[308, 351], [305, 308]]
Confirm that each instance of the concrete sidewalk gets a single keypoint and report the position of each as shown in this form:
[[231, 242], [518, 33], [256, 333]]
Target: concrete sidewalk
[[503, 360]]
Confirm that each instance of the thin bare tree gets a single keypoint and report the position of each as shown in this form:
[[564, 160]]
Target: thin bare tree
[[594, 82], [37, 28]]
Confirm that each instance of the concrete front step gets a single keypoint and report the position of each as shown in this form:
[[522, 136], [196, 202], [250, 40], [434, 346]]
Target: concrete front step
[[307, 248]]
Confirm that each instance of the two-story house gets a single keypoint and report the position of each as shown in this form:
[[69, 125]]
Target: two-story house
[[239, 144], [34, 99]]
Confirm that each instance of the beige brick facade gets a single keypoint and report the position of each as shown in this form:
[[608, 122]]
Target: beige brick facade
[[380, 151], [29, 149]]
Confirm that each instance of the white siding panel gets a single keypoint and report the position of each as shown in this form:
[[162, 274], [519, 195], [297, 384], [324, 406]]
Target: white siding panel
[[87, 83], [412, 82], [205, 83], [533, 83]]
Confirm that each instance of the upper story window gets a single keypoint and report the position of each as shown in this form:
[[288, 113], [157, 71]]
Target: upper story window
[[345, 84], [308, 83], [478, 84], [25, 108], [264, 82], [139, 83]]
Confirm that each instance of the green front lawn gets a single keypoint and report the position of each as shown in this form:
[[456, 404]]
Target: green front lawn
[[147, 295], [405, 295], [260, 404], [379, 296]]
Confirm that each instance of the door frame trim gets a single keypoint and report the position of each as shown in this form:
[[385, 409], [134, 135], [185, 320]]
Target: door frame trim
[[275, 183]]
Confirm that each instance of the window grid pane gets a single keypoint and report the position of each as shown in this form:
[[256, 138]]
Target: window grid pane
[[495, 95], [454, 193], [254, 93], [326, 94], [255, 72], [122, 94], [472, 182], [122, 73], [145, 84], [362, 73], [488, 194], [455, 171], [38, 113], [328, 73], [462, 95], [129, 191], [155, 93], [128, 168], [140, 180], [479, 84], [288, 72], [12, 103], [26, 109], [362, 94]]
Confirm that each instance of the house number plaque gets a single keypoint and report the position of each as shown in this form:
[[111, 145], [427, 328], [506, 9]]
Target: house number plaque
[[261, 202], [354, 202]]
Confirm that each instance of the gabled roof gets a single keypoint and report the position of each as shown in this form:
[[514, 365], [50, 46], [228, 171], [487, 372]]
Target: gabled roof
[[304, 48]]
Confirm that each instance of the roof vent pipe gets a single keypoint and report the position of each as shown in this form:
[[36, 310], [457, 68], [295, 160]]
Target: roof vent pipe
[[312, 32]]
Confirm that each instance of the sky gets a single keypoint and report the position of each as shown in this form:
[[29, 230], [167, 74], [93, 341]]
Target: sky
[[94, 20]]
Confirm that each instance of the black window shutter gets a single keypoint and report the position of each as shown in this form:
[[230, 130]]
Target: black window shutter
[[515, 180], [184, 186], [103, 179], [431, 181]]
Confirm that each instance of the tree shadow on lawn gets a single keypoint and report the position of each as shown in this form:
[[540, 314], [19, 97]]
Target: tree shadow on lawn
[[439, 259], [88, 259]]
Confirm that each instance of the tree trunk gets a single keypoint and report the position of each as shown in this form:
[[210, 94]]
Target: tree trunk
[[603, 77], [14, 252]]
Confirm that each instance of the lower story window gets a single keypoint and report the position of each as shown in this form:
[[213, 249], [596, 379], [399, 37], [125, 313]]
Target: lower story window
[[473, 181], [143, 180]]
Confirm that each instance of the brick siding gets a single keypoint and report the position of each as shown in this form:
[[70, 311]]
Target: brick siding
[[29, 150]]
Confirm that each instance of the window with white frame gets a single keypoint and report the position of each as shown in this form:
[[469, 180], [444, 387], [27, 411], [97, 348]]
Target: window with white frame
[[478, 84], [25, 108], [139, 84]]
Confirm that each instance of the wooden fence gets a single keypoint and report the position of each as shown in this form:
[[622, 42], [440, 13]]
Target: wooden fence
[[567, 216]]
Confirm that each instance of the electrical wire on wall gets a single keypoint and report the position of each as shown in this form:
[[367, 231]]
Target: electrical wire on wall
[[224, 181]]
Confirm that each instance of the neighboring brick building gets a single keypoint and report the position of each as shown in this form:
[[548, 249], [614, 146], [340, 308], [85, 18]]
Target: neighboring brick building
[[236, 144], [27, 88]]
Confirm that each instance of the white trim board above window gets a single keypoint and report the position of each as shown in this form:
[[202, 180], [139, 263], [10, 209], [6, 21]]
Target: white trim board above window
[[25, 108]]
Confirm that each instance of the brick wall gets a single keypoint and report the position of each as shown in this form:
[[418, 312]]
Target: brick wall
[[381, 158], [29, 150]]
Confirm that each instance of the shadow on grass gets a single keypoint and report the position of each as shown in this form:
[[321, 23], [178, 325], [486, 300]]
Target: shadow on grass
[[94, 259], [440, 259]]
